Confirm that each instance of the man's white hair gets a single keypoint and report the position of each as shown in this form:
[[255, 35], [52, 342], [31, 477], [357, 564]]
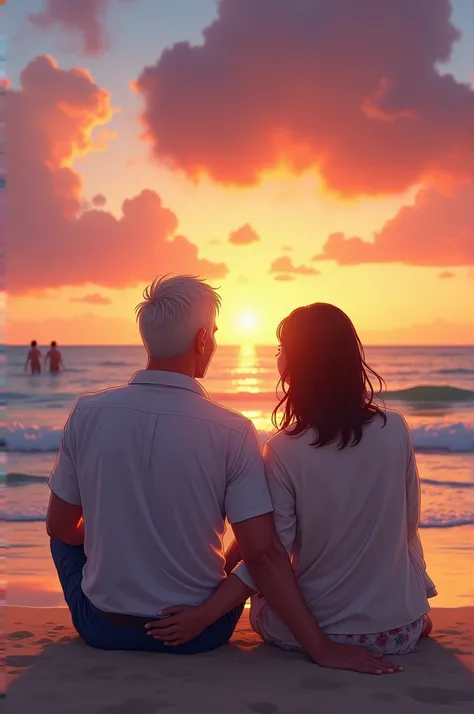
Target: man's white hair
[[174, 309]]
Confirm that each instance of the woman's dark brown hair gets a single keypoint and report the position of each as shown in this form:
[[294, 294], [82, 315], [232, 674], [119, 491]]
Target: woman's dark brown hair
[[325, 381]]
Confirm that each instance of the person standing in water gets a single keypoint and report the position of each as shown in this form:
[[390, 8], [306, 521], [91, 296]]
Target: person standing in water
[[55, 359], [33, 358]]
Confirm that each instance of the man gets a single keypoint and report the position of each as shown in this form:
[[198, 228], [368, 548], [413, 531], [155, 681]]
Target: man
[[33, 358], [55, 359], [145, 477]]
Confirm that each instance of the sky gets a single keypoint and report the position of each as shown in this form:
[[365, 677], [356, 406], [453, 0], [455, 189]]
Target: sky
[[289, 152]]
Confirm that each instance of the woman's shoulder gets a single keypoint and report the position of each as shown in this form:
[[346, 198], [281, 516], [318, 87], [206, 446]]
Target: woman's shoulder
[[282, 442], [395, 419]]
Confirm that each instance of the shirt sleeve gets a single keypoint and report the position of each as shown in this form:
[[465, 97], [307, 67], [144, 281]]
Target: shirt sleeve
[[284, 508], [283, 498], [247, 492], [413, 496], [63, 480]]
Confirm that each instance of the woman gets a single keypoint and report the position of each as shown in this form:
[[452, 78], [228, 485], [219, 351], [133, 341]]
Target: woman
[[345, 490]]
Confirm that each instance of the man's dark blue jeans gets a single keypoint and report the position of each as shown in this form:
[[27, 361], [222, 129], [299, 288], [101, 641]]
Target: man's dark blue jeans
[[97, 631]]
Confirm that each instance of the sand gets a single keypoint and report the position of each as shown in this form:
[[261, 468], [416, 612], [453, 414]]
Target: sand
[[51, 671]]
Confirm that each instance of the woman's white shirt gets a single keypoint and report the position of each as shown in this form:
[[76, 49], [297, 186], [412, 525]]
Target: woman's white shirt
[[349, 520]]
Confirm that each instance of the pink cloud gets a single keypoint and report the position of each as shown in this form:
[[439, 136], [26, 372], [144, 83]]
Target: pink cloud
[[349, 89], [446, 275], [244, 235], [85, 18], [284, 265], [57, 241], [437, 230], [99, 200], [94, 299]]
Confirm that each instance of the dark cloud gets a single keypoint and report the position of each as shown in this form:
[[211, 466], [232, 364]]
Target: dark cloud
[[350, 89]]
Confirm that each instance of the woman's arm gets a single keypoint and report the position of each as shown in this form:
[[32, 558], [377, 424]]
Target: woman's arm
[[283, 499], [413, 496], [232, 557]]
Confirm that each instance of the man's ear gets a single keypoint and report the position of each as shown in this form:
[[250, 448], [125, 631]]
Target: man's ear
[[200, 341]]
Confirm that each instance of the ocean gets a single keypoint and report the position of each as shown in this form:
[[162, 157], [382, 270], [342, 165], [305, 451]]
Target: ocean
[[433, 387]]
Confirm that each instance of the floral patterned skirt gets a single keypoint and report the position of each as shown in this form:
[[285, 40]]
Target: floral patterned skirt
[[402, 640]]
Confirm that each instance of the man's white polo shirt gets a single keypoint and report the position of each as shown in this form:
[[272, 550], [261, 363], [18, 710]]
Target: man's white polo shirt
[[157, 466]]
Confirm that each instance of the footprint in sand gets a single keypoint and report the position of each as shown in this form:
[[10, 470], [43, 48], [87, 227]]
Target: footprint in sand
[[20, 635], [263, 708], [321, 683], [436, 695], [382, 697], [136, 706], [20, 660]]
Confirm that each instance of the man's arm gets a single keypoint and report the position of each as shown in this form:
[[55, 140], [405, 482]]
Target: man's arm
[[64, 521], [233, 557]]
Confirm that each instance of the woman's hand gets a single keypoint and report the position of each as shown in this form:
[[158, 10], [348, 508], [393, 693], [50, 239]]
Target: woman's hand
[[180, 624], [357, 659]]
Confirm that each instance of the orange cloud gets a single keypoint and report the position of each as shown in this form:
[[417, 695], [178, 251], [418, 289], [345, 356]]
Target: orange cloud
[[94, 299], [436, 231], [350, 89], [446, 275], [99, 200], [83, 18], [284, 277], [57, 241], [244, 235], [284, 265]]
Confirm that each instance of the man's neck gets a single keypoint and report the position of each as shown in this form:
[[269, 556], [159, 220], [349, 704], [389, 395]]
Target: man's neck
[[181, 365]]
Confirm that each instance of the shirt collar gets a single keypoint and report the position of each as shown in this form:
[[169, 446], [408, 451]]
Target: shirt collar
[[168, 379]]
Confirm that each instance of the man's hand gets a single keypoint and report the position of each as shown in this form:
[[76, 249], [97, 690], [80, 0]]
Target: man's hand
[[357, 659], [179, 625]]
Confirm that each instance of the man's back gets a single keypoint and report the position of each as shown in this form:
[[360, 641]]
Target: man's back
[[158, 466]]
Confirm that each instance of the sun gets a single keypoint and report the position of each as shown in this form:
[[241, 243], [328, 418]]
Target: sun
[[247, 321]]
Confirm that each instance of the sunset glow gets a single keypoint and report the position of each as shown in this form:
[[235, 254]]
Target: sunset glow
[[247, 322], [223, 178], [360, 197]]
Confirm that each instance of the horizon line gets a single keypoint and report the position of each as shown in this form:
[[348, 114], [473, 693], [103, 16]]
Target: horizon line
[[245, 344]]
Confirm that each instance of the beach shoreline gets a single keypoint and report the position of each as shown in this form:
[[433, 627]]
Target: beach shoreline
[[51, 671], [33, 581]]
